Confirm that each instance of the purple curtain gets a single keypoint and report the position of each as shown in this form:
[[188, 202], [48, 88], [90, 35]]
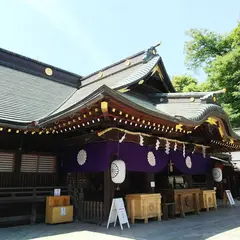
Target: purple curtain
[[193, 164], [135, 157], [99, 155]]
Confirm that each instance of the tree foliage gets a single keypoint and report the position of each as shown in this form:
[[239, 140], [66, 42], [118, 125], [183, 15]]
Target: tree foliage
[[187, 83], [219, 56]]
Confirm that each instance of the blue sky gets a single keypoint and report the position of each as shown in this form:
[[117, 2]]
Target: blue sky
[[84, 36]]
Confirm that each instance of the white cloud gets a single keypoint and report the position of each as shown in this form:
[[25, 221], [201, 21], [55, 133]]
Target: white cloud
[[62, 18]]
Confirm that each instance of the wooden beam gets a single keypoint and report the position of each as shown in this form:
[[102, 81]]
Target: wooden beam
[[108, 193]]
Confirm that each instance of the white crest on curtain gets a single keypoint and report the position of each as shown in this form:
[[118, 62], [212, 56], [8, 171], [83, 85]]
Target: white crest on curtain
[[151, 159], [82, 157], [217, 174], [118, 171], [188, 162]]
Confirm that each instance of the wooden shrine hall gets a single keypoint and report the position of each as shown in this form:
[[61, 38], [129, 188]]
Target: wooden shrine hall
[[119, 131]]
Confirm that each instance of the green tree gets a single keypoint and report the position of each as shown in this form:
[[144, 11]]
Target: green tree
[[219, 56], [187, 83]]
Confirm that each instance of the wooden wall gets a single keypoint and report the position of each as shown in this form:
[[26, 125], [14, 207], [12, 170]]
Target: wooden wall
[[28, 161]]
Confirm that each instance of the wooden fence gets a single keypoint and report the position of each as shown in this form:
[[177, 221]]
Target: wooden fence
[[91, 212]]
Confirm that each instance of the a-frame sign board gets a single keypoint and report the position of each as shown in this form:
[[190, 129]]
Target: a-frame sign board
[[227, 197], [118, 211]]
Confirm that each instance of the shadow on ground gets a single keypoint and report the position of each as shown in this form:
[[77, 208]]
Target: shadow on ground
[[224, 221]]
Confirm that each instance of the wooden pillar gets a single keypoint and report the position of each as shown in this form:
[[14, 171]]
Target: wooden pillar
[[188, 179], [60, 174], [108, 193], [149, 177], [210, 181]]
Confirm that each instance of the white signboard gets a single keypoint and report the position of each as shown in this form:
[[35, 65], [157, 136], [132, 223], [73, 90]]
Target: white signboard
[[118, 211], [63, 211], [152, 184], [57, 192], [230, 197]]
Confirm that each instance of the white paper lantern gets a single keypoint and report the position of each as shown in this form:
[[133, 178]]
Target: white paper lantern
[[217, 174], [82, 157], [118, 171], [151, 159], [188, 161]]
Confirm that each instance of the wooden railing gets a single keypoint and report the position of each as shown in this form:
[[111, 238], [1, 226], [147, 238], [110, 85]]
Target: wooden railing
[[86, 211], [16, 203], [6, 179]]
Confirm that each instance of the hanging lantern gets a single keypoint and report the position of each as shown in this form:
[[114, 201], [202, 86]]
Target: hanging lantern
[[217, 174], [118, 171]]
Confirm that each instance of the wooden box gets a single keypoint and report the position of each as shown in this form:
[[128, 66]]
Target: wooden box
[[208, 199], [144, 206], [58, 209], [186, 200], [54, 201], [59, 214]]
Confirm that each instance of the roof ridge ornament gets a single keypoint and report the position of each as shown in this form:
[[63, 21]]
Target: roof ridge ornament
[[211, 94], [151, 53]]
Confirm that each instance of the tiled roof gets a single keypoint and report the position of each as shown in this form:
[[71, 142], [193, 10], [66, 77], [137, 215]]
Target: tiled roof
[[191, 111], [25, 97], [117, 80]]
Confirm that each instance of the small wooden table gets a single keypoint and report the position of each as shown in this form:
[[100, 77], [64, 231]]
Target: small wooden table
[[168, 210]]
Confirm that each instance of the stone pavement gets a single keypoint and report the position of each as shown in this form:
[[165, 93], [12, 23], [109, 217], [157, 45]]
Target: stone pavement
[[214, 225]]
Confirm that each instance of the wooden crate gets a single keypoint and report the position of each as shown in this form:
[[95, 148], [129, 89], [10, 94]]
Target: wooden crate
[[58, 209], [186, 200], [208, 199], [144, 206], [54, 201], [59, 214]]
